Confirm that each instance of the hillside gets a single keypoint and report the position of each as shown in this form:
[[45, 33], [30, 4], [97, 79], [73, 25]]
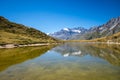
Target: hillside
[[112, 38], [11, 32], [115, 38]]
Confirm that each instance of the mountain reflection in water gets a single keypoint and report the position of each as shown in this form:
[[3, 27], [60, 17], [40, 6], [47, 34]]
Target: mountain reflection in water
[[111, 53]]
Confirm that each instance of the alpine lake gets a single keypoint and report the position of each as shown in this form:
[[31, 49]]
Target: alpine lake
[[68, 61]]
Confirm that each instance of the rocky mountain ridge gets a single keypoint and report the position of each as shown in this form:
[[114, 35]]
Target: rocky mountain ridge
[[107, 29], [68, 33]]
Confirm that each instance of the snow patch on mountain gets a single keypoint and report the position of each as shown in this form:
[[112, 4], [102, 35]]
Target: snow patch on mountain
[[68, 33], [77, 31], [66, 29], [113, 26], [47, 33]]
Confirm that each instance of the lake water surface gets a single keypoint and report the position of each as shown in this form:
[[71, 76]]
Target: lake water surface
[[69, 61]]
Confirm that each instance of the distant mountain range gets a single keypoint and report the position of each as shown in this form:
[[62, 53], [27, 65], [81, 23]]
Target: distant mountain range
[[107, 29], [11, 32], [68, 33]]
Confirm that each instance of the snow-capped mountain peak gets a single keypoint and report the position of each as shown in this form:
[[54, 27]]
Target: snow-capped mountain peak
[[77, 31], [66, 29], [47, 33], [68, 33]]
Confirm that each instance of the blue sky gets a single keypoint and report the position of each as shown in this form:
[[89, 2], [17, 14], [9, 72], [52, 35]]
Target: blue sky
[[52, 15]]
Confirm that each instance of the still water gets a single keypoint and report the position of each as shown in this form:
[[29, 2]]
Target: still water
[[69, 61]]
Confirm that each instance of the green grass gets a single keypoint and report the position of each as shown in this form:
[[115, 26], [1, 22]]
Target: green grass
[[7, 38]]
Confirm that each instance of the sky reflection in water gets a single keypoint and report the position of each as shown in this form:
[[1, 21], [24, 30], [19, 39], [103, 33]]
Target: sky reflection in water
[[69, 61]]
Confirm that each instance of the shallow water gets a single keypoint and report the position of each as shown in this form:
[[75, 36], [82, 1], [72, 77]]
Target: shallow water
[[69, 61]]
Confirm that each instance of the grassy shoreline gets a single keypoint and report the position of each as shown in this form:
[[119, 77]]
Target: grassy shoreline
[[93, 41], [25, 45]]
